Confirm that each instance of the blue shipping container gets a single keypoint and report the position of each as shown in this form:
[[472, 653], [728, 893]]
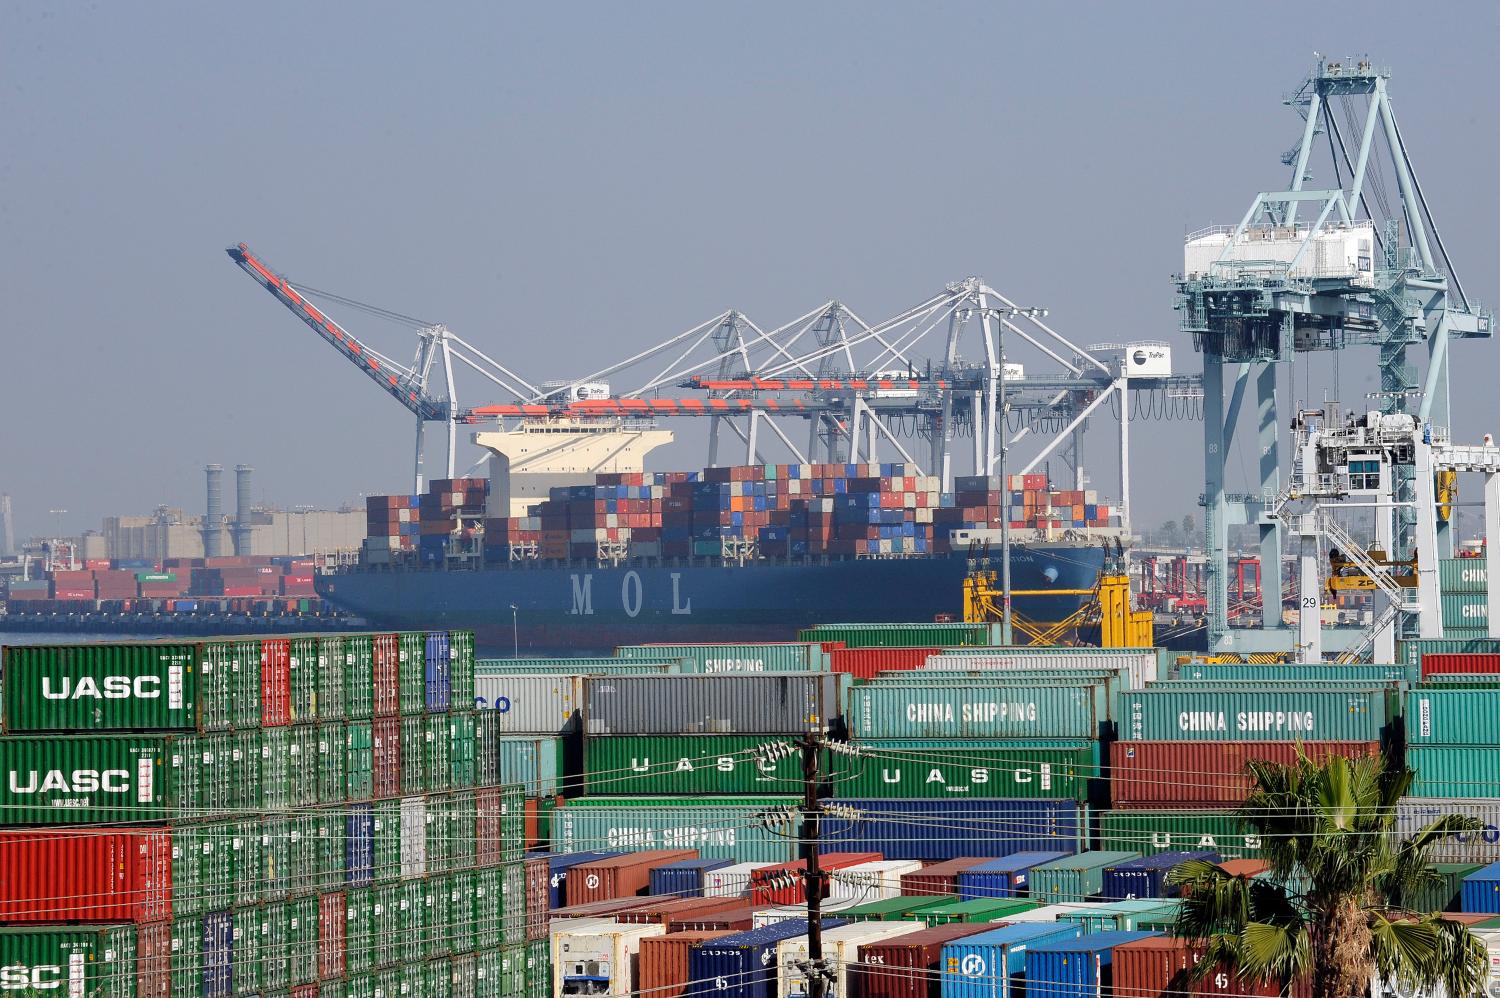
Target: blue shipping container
[[1079, 968], [218, 955], [987, 965], [1008, 877], [684, 879], [918, 828], [1481, 890], [359, 845], [439, 667], [1146, 877], [742, 965]]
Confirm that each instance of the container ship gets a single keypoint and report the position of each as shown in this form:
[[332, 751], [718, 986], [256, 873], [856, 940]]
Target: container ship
[[745, 553]]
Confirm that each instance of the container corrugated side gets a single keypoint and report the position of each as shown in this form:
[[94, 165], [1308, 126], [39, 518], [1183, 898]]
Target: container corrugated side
[[1073, 969], [86, 876], [926, 829], [1153, 831], [1483, 846], [902, 635], [1074, 879], [770, 703], [881, 710], [535, 763], [1154, 966], [1137, 664], [716, 827], [686, 764], [94, 780], [110, 687], [1463, 575], [1210, 672], [1411, 652], [784, 656], [987, 768], [988, 964], [1436, 716], [1209, 773], [636, 666], [530, 704], [96, 961], [1279, 714]]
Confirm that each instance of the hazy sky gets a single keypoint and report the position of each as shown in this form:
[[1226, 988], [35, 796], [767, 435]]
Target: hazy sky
[[566, 183]]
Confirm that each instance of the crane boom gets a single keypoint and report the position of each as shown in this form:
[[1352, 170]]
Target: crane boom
[[404, 385]]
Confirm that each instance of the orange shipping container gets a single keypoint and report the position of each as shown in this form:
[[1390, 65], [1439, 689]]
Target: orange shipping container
[[1146, 968], [662, 967], [620, 876]]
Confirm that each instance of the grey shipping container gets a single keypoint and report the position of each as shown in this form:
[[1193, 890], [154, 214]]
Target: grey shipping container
[[1483, 846], [529, 704], [766, 703]]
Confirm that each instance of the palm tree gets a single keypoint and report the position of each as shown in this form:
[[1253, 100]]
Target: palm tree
[[1335, 903]]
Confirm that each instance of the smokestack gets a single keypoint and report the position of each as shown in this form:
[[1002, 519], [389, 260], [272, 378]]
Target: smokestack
[[7, 531], [242, 509], [213, 517]]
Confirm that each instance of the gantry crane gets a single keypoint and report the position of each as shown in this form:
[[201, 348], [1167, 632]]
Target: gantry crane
[[1368, 268]]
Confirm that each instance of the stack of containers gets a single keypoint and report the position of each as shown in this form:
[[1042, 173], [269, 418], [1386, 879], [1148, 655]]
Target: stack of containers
[[254, 815], [1453, 736], [1178, 771], [451, 507], [392, 523], [695, 760], [1465, 598]]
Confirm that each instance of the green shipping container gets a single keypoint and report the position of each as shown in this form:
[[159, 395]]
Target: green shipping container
[[302, 664], [385, 924], [1275, 714], [462, 888], [386, 840], [92, 961], [186, 955], [104, 779], [359, 677], [1111, 915], [661, 764], [332, 703], [436, 763], [251, 930], [486, 908], [414, 754], [1151, 832], [513, 971], [333, 760], [203, 867], [359, 930], [411, 927], [513, 903], [1463, 575], [512, 824], [276, 957], [1074, 878], [535, 763], [1162, 918], [462, 734], [275, 841], [538, 969], [147, 686], [462, 833], [1470, 610], [359, 760], [801, 656], [1213, 672], [902, 907], [976, 768], [461, 655], [331, 829], [1442, 893], [1411, 652], [1449, 716], [975, 910], [1453, 770], [443, 826], [943, 709], [437, 979], [412, 671], [229, 678], [719, 827]]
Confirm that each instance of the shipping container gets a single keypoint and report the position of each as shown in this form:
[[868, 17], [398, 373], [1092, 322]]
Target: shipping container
[[1481, 847], [1460, 664], [730, 881], [784, 883], [769, 703], [902, 635], [867, 663], [538, 896], [688, 764], [1481, 890], [1137, 666], [275, 682], [637, 666], [88, 779], [535, 763], [909, 965], [1463, 575], [526, 704], [733, 919], [870, 881], [1412, 652], [538, 971], [662, 964], [717, 827], [627, 875], [1076, 878], [991, 964], [840, 949], [1009, 877], [333, 918], [92, 961], [741, 965], [1278, 714], [936, 830], [939, 879], [1443, 716], [936, 710], [461, 655], [975, 768], [975, 910], [597, 958], [559, 866], [901, 907], [147, 686], [1157, 965], [1078, 968], [1213, 672], [1205, 773], [786, 656], [385, 667], [438, 674], [1147, 877], [1152, 831], [1447, 771], [684, 878]]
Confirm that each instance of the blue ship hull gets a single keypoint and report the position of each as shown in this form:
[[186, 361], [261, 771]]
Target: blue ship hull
[[584, 607]]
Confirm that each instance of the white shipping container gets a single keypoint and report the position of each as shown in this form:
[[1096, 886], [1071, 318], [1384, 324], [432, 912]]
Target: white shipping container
[[530, 704], [581, 954], [841, 946], [1046, 913], [1483, 847], [1383, 988], [729, 881], [873, 881], [1137, 665], [413, 837]]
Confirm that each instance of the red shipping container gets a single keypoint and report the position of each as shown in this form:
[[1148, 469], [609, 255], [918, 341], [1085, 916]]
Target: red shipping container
[[907, 966], [487, 845], [1194, 774], [1476, 663], [939, 878], [662, 967], [275, 682], [333, 915], [387, 655], [385, 737], [102, 875], [666, 910], [605, 908], [305, 991], [733, 920], [619, 876], [153, 960], [783, 883], [1153, 968], [864, 663], [538, 897]]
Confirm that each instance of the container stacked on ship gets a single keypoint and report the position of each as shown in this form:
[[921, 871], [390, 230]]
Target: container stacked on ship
[[305, 816]]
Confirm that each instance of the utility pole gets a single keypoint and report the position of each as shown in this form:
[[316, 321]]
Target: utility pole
[[813, 877]]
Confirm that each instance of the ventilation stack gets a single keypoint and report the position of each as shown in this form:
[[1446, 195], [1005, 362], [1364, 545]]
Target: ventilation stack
[[213, 517], [242, 474]]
